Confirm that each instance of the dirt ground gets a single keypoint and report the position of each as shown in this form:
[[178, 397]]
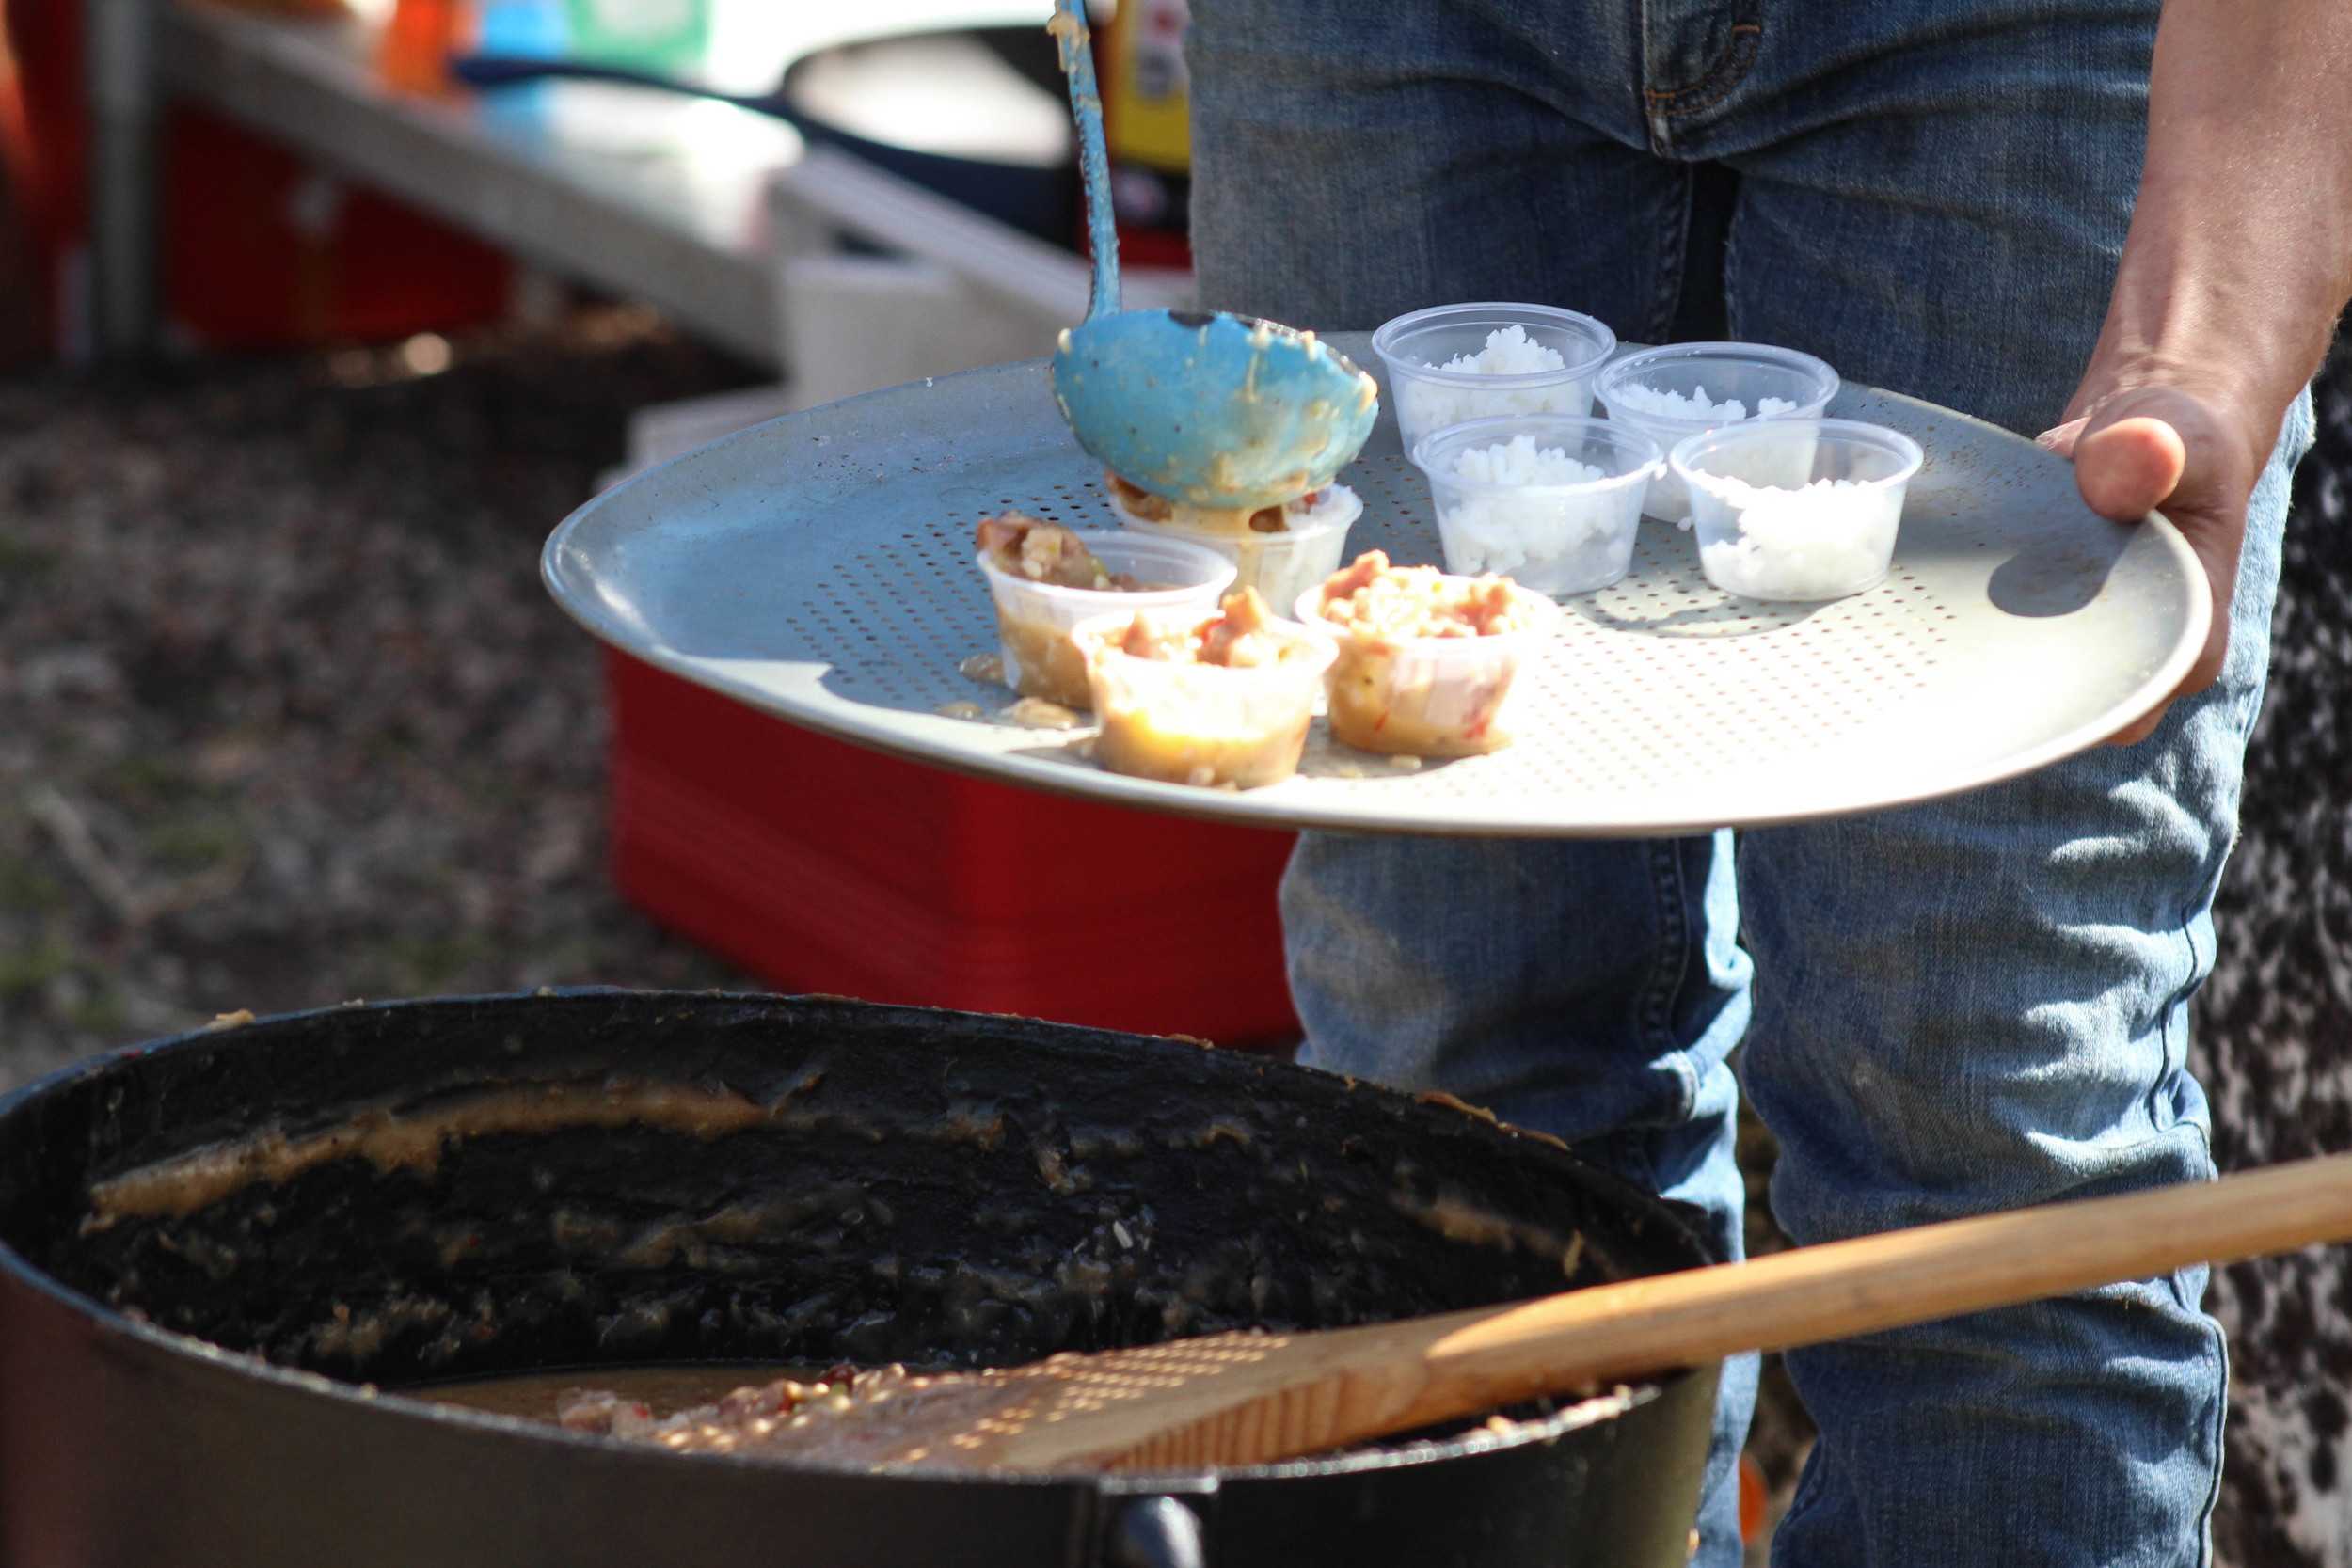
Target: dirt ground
[[286, 718]]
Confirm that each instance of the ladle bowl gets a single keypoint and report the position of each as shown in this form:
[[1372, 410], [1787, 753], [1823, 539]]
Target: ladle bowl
[[1209, 409]]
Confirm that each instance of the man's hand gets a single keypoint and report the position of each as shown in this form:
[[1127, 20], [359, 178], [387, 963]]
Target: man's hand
[[2239, 257], [2142, 446]]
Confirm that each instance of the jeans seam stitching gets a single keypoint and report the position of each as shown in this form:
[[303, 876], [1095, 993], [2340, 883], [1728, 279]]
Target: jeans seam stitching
[[2219, 1434], [2187, 928], [1666, 883], [1721, 79], [1731, 271], [1673, 247], [1666, 977]]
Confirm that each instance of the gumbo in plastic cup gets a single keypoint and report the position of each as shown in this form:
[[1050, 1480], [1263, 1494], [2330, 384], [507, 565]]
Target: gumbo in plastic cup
[[1034, 619], [1823, 532], [1552, 501], [1414, 349], [1679, 391], [1427, 696], [1280, 564], [1203, 724]]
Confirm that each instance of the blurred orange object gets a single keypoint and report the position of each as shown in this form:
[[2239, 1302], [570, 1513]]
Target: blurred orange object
[[413, 53], [1752, 1497], [258, 249], [24, 303]]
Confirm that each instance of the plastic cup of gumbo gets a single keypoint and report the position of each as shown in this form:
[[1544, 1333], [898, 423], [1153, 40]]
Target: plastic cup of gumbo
[[1034, 619], [1280, 566], [1426, 696], [1203, 724]]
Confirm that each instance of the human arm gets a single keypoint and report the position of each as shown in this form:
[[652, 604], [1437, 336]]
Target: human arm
[[2238, 260]]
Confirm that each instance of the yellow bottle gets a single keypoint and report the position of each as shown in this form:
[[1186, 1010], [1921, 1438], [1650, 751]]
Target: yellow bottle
[[1145, 120]]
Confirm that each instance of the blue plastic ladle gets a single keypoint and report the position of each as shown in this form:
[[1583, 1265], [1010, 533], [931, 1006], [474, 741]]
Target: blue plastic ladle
[[1211, 409]]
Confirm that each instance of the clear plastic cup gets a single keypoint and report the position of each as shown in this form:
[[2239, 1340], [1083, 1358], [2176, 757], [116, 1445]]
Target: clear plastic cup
[[1565, 538], [1428, 399], [1426, 696], [1280, 566], [1033, 619], [1771, 528], [1204, 724], [1722, 372]]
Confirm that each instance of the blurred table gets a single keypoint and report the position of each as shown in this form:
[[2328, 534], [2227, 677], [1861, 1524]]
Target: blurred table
[[646, 194]]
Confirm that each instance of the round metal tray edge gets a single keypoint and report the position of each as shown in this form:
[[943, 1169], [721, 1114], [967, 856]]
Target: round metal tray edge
[[587, 581]]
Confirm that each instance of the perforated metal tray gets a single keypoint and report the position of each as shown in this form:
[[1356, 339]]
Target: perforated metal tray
[[819, 567]]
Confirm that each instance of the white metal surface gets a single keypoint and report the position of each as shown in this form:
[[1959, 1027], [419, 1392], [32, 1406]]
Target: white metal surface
[[647, 193], [819, 567], [650, 194]]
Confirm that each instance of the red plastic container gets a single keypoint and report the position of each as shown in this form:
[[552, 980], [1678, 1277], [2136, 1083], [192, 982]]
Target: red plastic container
[[825, 867], [250, 257]]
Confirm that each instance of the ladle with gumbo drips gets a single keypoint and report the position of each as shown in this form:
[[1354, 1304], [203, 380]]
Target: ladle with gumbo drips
[[1205, 408]]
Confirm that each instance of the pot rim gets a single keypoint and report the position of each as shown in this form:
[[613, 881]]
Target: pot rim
[[15, 1269]]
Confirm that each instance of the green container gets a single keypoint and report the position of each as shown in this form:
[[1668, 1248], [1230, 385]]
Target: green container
[[647, 35]]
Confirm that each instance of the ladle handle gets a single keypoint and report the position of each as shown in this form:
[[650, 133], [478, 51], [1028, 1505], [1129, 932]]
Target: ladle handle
[[1068, 27]]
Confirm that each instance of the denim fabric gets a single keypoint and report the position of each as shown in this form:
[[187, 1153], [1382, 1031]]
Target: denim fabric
[[1952, 1008]]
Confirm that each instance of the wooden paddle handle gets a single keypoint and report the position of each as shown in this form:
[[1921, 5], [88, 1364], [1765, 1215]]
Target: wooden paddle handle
[[1242, 1399], [1472, 1361]]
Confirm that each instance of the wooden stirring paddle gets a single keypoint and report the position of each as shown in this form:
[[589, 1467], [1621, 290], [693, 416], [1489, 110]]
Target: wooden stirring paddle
[[1247, 1399]]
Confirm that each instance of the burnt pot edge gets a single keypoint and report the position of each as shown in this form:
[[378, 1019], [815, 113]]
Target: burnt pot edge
[[188, 1351]]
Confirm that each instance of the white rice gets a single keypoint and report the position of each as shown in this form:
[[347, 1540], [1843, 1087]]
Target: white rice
[[1668, 404], [1668, 417], [1423, 405], [1509, 351], [1520, 461], [1548, 541], [1818, 540]]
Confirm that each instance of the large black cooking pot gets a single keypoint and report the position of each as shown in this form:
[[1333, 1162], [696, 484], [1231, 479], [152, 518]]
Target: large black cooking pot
[[223, 1254]]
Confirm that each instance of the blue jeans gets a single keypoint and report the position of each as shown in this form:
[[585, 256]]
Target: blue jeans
[[1947, 1009]]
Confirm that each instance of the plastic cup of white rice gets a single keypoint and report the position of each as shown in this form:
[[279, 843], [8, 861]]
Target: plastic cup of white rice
[[1455, 363], [1820, 530], [1279, 565], [1550, 500], [1679, 391]]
